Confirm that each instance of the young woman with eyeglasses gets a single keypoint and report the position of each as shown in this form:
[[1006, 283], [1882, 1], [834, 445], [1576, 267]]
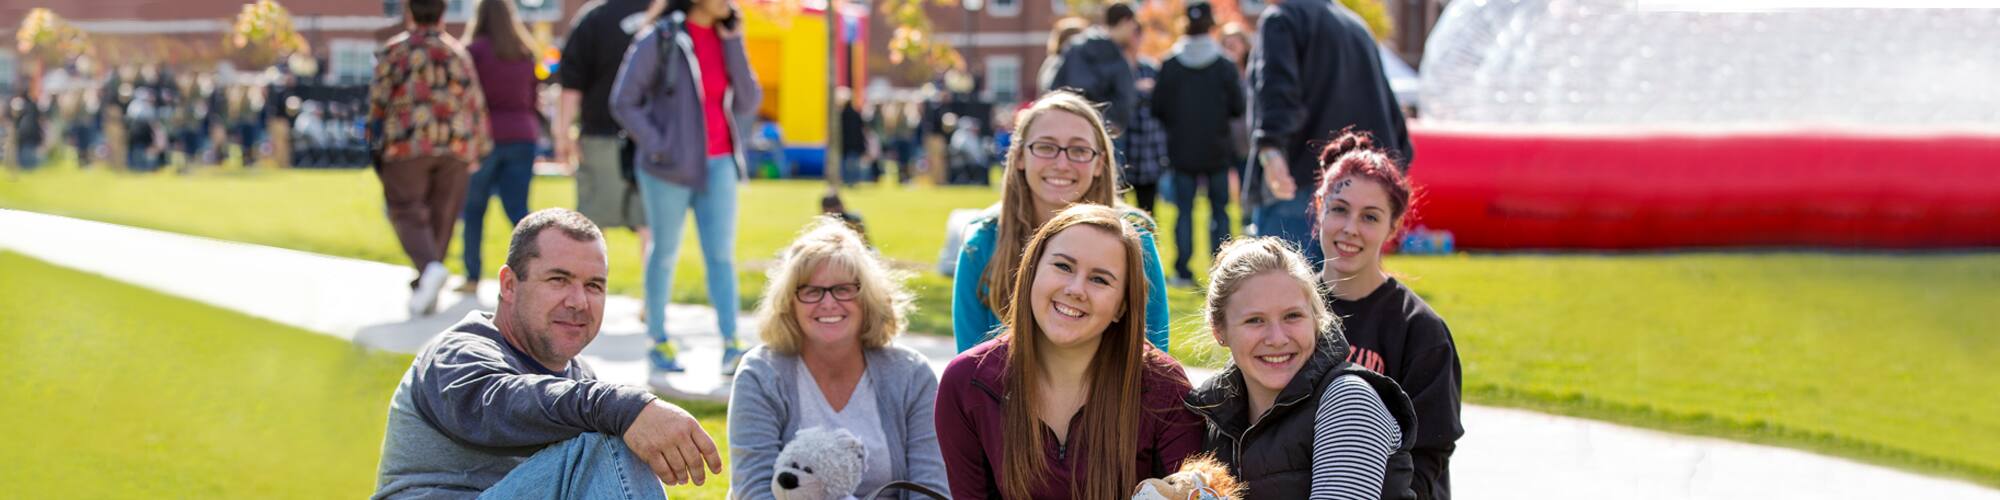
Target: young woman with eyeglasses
[[829, 314], [1060, 156]]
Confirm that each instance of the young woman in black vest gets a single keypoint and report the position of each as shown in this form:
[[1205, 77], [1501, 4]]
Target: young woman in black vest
[[1362, 202], [1289, 415]]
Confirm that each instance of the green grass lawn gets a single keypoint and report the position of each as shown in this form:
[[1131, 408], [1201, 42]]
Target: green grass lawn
[[340, 212], [114, 391], [1878, 357]]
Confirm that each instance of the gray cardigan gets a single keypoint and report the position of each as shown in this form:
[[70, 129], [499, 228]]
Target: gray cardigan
[[657, 98], [763, 417]]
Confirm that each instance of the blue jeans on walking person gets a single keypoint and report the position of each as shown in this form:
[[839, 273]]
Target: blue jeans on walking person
[[1291, 220], [590, 465], [27, 157], [714, 206], [1181, 187], [138, 160], [506, 172], [851, 170]]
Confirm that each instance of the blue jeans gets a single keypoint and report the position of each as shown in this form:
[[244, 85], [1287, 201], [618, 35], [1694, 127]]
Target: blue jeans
[[138, 160], [714, 208], [591, 465], [1181, 188], [27, 157], [506, 172], [851, 170], [1291, 220]]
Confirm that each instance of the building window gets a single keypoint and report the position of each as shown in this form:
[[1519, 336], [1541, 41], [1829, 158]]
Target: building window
[[1251, 9], [459, 11], [1003, 78], [8, 74], [353, 61], [1004, 8], [1059, 7]]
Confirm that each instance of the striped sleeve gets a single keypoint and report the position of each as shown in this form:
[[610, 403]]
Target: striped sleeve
[[1352, 439]]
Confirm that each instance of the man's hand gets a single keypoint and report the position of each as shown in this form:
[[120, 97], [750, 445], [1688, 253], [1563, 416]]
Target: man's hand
[[672, 442], [567, 107], [1277, 175], [566, 153]]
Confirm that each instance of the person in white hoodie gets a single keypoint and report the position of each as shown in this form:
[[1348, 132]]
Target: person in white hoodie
[[1197, 126]]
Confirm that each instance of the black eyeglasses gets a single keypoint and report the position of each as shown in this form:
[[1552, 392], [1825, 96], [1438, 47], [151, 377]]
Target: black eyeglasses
[[1079, 154], [844, 292]]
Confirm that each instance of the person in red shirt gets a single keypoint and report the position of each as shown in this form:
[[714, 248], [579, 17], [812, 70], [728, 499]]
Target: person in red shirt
[[1071, 401], [686, 95]]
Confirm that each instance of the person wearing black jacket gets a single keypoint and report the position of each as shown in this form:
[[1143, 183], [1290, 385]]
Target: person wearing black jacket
[[1197, 95], [1315, 72], [28, 133], [1095, 65], [1362, 204], [598, 156]]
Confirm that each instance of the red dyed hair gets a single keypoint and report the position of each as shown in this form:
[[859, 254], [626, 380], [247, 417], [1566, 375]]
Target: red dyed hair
[[1354, 154]]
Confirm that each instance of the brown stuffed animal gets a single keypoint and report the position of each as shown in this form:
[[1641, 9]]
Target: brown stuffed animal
[[1201, 477]]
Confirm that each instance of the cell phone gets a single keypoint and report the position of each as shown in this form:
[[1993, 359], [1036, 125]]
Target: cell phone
[[731, 20]]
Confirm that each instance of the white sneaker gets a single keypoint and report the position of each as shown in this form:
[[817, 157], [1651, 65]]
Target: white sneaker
[[429, 284]]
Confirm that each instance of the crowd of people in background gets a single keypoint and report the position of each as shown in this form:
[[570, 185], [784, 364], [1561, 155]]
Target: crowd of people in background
[[149, 117]]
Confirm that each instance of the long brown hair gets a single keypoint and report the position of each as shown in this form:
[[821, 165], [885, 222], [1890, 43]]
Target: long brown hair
[[1017, 204], [1108, 443], [495, 20]]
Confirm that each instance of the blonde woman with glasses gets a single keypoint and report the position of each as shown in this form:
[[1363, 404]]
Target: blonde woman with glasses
[[829, 314]]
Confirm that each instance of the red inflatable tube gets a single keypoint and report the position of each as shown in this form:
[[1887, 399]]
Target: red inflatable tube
[[1622, 191]]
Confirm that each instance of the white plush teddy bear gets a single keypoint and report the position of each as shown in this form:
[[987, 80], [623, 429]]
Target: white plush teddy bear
[[819, 464]]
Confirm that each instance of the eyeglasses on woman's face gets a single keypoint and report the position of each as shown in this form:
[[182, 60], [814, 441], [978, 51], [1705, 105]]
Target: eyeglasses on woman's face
[[1049, 150], [845, 292]]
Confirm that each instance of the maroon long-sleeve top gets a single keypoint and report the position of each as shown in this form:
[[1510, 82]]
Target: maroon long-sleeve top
[[970, 430]]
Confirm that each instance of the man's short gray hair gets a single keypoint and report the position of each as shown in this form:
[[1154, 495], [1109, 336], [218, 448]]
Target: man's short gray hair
[[523, 247]]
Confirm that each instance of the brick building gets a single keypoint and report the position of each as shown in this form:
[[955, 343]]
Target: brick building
[[342, 34]]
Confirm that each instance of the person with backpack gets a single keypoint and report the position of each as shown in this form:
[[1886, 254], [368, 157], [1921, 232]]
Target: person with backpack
[[1289, 415], [686, 96], [1095, 65]]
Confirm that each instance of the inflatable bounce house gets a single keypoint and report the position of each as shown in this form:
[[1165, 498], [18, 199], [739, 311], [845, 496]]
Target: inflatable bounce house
[[1628, 125], [787, 42]]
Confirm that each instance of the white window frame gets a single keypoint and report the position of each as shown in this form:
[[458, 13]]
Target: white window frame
[[1252, 8], [1003, 8], [993, 84], [10, 70], [363, 67]]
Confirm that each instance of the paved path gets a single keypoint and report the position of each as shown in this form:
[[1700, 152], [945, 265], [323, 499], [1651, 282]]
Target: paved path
[[1505, 454]]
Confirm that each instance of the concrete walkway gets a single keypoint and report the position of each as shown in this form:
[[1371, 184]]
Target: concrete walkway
[[1505, 454]]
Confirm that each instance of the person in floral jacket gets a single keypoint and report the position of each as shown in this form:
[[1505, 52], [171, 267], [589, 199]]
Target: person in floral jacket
[[427, 130]]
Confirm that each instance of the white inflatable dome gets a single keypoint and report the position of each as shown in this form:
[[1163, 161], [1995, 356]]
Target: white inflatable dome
[[1710, 64]]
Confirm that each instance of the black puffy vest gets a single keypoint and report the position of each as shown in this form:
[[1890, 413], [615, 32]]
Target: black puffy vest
[[1274, 458]]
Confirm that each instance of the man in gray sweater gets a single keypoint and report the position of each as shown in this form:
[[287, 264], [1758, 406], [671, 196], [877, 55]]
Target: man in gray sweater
[[500, 405]]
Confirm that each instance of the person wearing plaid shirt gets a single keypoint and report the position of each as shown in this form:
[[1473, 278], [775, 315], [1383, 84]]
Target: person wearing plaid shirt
[[427, 131], [1148, 153]]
